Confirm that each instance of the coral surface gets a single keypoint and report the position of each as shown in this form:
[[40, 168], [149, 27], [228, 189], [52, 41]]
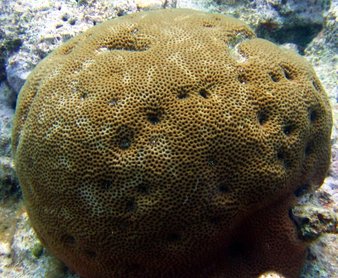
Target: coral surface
[[169, 143]]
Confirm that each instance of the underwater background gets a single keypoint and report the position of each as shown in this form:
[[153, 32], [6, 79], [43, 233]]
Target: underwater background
[[30, 30]]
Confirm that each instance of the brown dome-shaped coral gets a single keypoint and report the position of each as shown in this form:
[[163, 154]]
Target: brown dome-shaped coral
[[169, 144]]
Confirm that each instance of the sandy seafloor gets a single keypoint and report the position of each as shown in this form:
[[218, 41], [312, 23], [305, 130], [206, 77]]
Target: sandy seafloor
[[29, 30]]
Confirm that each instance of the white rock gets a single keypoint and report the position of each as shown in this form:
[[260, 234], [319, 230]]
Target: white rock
[[149, 4]]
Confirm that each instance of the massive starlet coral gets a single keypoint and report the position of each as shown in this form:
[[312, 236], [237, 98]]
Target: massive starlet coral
[[169, 144]]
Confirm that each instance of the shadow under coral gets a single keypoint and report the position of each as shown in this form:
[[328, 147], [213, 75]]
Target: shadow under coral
[[266, 241]]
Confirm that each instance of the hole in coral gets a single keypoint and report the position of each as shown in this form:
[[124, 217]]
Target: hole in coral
[[143, 188], [281, 156], [316, 85], [300, 191], [68, 239], [123, 225], [154, 117], [182, 95], [215, 220], [125, 143], [113, 102], [208, 25], [125, 136], [288, 129], [223, 188], [287, 72], [262, 117], [274, 77], [89, 253], [309, 148], [83, 95], [131, 205], [183, 92], [173, 237], [242, 78], [237, 248], [105, 184], [131, 46], [313, 115], [211, 161], [133, 268], [203, 93]]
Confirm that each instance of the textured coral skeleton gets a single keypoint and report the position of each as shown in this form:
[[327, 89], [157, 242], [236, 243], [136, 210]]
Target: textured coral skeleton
[[115, 127]]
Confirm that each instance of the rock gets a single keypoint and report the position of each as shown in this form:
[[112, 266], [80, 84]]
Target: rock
[[149, 4], [42, 26], [322, 260], [313, 221], [17, 73], [271, 275], [7, 230], [23, 250], [277, 20], [8, 182], [7, 101]]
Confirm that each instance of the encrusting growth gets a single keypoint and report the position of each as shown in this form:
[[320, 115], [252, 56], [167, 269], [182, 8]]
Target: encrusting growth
[[170, 144]]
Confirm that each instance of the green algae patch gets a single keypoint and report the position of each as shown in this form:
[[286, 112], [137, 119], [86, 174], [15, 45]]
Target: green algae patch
[[37, 250]]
